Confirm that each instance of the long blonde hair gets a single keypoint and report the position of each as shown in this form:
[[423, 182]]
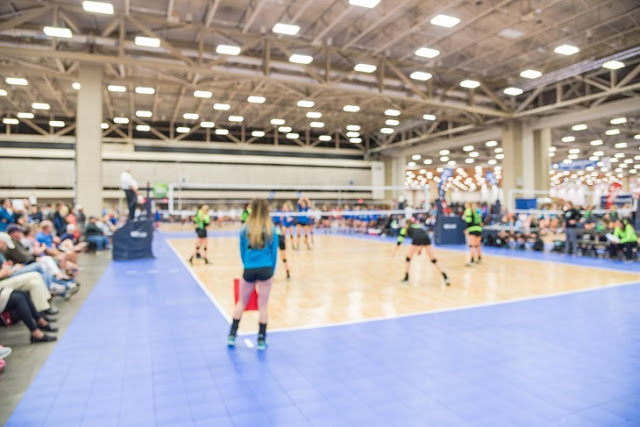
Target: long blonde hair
[[259, 224]]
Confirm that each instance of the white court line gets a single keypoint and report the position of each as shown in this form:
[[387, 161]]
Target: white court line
[[248, 342], [445, 310], [199, 282]]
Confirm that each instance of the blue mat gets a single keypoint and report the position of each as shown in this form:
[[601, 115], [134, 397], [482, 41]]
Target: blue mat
[[148, 349]]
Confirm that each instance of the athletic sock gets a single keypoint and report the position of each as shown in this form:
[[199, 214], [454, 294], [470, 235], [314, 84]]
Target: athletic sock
[[262, 331], [234, 327]]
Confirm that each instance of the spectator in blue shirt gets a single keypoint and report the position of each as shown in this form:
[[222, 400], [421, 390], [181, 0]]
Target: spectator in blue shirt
[[6, 214]]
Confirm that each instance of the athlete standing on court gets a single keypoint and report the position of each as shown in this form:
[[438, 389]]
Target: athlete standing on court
[[288, 222], [202, 220], [278, 219], [419, 240], [303, 220], [259, 251], [473, 221]]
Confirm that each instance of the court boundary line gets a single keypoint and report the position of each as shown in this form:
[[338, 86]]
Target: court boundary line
[[214, 301], [460, 308], [195, 277]]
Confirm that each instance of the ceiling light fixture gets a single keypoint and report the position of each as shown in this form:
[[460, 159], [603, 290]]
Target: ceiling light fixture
[[256, 99], [221, 107], [513, 91], [63, 33], [286, 29], [365, 68], [207, 125], [301, 59], [18, 81], [445, 21], [40, 106], [613, 65], [369, 4], [470, 84], [426, 52], [147, 41], [225, 49], [305, 104], [420, 76], [145, 90], [351, 108], [566, 49], [530, 74], [202, 94], [116, 88], [98, 7]]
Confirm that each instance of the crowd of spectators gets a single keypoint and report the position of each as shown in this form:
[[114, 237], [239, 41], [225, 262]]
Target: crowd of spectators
[[562, 227], [39, 261]]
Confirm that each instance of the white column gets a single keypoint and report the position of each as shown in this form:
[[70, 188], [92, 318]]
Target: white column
[[542, 161], [525, 167], [89, 139]]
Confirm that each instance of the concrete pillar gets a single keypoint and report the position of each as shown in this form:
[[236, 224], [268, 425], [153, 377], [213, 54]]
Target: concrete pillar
[[89, 139], [526, 161], [395, 172], [541, 159]]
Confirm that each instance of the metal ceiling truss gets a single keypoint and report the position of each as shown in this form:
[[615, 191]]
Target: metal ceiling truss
[[337, 42]]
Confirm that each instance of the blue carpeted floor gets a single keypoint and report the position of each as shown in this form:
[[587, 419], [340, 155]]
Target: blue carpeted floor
[[148, 349]]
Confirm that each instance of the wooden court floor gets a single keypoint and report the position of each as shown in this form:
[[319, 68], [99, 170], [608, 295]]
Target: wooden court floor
[[347, 279]]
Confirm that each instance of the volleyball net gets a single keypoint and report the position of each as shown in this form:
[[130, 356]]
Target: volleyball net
[[230, 199], [366, 209]]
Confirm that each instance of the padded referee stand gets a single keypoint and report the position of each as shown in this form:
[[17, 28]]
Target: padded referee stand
[[134, 239]]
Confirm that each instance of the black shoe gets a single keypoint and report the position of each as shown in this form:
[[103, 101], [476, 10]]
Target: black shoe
[[49, 318], [198, 256], [206, 261], [406, 279], [288, 275], [45, 338], [48, 328], [191, 260]]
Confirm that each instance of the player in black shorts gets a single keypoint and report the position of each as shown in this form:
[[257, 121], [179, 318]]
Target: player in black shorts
[[419, 240], [473, 221], [277, 219]]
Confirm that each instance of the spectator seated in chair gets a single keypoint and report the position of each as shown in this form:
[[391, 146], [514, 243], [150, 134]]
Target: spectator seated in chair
[[20, 305], [94, 234]]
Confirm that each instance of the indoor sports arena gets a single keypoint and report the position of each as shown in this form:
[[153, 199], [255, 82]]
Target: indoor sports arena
[[319, 213]]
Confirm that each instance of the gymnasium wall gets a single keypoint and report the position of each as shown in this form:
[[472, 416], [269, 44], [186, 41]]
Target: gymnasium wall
[[46, 168]]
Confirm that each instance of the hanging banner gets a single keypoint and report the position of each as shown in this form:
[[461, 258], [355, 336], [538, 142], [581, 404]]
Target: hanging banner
[[444, 176], [491, 178], [575, 165]]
